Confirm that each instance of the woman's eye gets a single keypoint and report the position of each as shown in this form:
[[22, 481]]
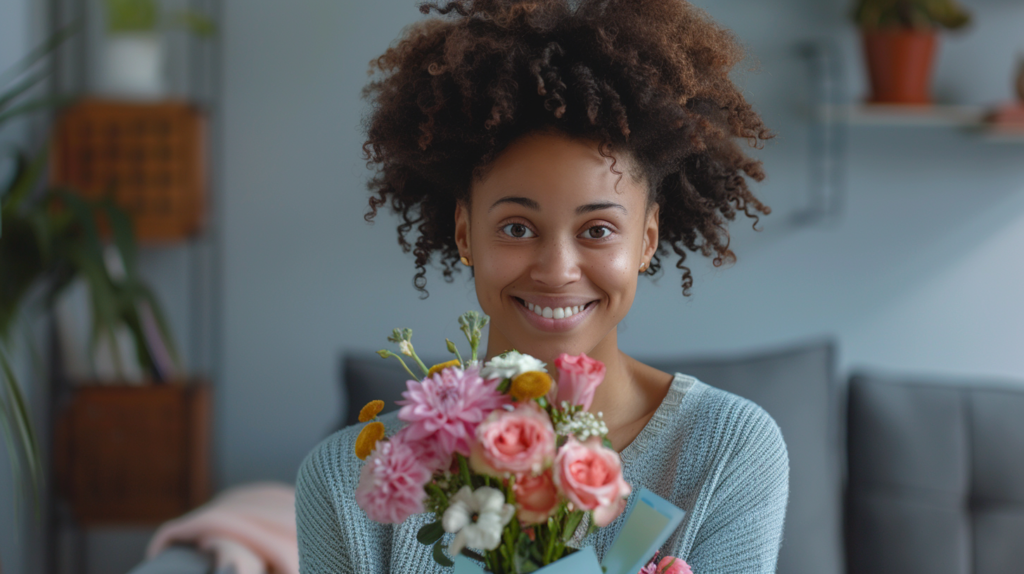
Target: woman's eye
[[517, 230], [598, 232]]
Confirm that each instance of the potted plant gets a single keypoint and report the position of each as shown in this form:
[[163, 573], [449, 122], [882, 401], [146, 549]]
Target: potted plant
[[133, 54], [900, 40], [49, 239]]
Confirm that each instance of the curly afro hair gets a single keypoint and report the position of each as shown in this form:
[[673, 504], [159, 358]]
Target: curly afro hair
[[646, 77]]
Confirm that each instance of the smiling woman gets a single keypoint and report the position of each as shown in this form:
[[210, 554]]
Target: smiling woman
[[559, 149]]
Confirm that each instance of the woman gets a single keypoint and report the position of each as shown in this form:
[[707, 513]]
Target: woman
[[558, 151]]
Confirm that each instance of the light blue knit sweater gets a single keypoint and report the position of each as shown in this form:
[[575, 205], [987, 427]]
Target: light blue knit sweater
[[719, 457]]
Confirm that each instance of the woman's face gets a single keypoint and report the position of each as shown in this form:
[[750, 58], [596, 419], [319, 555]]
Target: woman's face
[[556, 240]]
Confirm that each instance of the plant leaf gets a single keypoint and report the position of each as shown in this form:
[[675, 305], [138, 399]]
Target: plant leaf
[[430, 533], [11, 94], [571, 524], [124, 236], [23, 425], [27, 178], [40, 52], [35, 105], [440, 557]]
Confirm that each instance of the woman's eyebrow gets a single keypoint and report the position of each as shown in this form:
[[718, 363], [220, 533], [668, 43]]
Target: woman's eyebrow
[[599, 206], [524, 201]]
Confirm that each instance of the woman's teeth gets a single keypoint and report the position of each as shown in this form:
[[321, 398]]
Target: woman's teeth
[[556, 313]]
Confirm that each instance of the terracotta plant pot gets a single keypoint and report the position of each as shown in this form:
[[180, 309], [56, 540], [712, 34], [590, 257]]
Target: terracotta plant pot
[[900, 65]]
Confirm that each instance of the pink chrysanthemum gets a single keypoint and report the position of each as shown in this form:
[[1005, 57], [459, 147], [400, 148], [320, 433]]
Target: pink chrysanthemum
[[448, 406], [391, 483], [428, 451]]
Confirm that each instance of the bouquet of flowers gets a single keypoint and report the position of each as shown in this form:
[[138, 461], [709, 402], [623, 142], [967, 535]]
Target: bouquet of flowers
[[507, 461]]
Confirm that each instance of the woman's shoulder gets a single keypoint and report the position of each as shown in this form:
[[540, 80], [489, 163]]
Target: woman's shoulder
[[333, 459], [728, 423]]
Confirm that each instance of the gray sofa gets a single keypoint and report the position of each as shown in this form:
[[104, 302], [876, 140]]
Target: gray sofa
[[887, 475]]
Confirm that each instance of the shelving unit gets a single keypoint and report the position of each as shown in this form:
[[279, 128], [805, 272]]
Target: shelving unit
[[832, 117], [966, 117]]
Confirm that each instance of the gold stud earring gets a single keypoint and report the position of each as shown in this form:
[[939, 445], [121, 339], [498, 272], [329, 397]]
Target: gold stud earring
[[465, 261]]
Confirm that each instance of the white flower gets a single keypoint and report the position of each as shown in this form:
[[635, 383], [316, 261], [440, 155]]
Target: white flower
[[584, 425], [511, 364], [405, 347], [491, 514]]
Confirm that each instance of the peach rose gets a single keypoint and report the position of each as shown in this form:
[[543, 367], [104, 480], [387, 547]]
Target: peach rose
[[536, 497], [590, 475], [521, 441], [578, 378]]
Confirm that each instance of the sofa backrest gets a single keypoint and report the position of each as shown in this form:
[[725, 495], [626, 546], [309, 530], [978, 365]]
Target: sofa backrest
[[936, 477], [797, 387]]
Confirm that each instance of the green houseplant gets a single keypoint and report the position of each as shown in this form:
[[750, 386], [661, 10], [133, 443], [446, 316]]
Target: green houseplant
[[49, 239], [900, 41], [134, 50]]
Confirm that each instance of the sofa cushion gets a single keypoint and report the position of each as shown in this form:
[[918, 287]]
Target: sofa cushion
[[936, 477], [797, 387]]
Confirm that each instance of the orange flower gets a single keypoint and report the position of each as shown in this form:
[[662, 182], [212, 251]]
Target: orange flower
[[530, 385], [442, 366], [367, 439], [371, 410]]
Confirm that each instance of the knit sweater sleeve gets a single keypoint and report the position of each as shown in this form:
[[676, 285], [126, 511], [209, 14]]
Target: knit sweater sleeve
[[742, 531], [334, 535]]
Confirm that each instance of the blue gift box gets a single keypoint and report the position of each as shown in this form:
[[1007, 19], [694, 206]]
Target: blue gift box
[[649, 522]]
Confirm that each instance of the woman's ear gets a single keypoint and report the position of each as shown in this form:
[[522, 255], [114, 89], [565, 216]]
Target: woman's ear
[[651, 234], [462, 230]]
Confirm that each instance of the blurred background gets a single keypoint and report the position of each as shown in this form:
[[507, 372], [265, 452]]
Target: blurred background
[[896, 235]]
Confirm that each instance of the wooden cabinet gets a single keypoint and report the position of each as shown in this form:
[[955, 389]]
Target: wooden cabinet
[[133, 454], [149, 157]]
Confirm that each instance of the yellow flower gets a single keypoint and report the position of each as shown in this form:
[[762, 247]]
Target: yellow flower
[[442, 366], [372, 409], [368, 438], [530, 385]]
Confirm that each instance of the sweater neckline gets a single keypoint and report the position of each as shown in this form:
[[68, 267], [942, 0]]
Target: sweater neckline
[[681, 384]]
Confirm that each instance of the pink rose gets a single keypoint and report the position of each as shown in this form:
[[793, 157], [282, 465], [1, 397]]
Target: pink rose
[[672, 565], [590, 475], [536, 498], [520, 441], [578, 378]]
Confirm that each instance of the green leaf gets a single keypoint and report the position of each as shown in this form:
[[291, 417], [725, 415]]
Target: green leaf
[[524, 560], [42, 51], [35, 105], [194, 22], [430, 533], [132, 15], [571, 524], [124, 236], [11, 94], [27, 179], [21, 427], [440, 557]]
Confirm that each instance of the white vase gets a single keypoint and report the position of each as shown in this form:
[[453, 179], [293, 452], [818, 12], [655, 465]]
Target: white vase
[[133, 66]]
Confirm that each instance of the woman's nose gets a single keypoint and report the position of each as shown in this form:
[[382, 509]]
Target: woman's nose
[[556, 264]]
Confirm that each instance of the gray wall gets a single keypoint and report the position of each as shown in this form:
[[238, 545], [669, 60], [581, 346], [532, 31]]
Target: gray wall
[[920, 274]]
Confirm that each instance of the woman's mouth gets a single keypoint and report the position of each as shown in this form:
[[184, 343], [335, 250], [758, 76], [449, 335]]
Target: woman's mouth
[[554, 318]]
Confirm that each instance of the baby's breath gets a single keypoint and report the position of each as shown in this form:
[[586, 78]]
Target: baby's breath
[[583, 425]]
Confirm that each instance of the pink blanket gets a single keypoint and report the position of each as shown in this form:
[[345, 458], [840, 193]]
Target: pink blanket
[[251, 527]]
